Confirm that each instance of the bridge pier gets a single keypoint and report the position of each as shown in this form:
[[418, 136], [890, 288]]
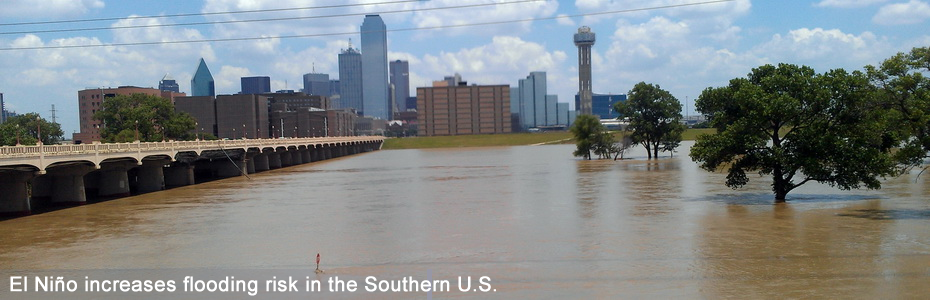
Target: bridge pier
[[296, 157], [285, 158], [112, 180], [179, 174], [230, 169], [261, 162], [14, 197], [151, 176], [62, 186], [274, 160], [305, 156], [250, 162]]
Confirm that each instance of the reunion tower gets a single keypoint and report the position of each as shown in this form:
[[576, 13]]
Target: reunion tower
[[584, 39]]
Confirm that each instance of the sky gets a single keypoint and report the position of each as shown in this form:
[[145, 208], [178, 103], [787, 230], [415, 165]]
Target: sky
[[683, 49]]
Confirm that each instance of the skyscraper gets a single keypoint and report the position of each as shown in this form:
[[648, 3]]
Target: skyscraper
[[202, 82], [584, 39], [255, 85], [400, 78], [317, 84], [350, 79], [168, 83], [375, 97], [2, 110]]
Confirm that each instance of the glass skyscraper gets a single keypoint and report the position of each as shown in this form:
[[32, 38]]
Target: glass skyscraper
[[350, 79], [316, 84], [168, 83], [400, 78], [255, 85], [202, 82], [375, 98]]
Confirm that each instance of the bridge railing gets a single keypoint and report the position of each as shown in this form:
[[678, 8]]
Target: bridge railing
[[52, 150]]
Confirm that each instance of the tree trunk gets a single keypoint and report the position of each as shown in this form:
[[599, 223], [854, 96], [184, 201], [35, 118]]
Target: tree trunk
[[780, 185], [655, 151]]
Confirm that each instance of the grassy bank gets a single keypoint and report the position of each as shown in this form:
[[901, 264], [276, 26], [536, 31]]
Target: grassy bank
[[484, 140]]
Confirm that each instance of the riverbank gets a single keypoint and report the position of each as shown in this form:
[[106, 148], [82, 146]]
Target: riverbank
[[510, 139]]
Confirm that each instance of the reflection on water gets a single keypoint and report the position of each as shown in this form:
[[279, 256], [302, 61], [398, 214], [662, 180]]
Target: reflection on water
[[537, 221]]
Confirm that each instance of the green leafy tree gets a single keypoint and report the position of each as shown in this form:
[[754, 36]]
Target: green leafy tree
[[152, 118], [904, 88], [26, 127], [588, 132], [797, 126], [654, 116]]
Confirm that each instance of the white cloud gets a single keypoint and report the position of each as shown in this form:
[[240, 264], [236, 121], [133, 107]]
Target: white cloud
[[847, 3], [47, 8], [912, 12], [481, 14], [825, 48], [227, 80]]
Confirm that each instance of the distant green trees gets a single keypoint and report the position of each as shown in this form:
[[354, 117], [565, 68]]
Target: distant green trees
[[797, 126], [152, 118], [26, 127], [654, 116]]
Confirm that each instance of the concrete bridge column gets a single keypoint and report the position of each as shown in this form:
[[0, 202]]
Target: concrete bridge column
[[274, 160], [65, 185], [14, 198], [297, 157], [342, 150], [113, 180], [305, 156], [328, 152], [151, 176], [286, 158], [230, 169], [315, 153], [250, 163], [261, 162], [179, 174]]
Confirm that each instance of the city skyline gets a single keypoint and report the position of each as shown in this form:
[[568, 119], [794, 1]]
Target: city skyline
[[684, 49]]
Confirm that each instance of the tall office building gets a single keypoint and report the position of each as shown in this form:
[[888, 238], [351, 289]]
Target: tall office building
[[168, 84], [584, 39], [202, 82], [375, 97], [317, 84], [2, 110], [255, 85], [350, 79], [602, 105], [400, 78], [528, 101]]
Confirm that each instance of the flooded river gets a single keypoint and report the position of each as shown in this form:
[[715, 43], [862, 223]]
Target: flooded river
[[534, 220]]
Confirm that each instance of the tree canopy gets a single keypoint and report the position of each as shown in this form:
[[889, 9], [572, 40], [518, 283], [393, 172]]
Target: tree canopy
[[591, 136], [904, 89], [654, 116], [798, 126], [153, 116], [24, 127]]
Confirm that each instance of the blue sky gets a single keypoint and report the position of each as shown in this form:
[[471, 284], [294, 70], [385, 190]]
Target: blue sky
[[684, 50]]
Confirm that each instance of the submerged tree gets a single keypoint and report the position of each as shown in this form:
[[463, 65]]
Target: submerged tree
[[146, 117], [797, 126], [590, 136], [904, 89], [654, 116]]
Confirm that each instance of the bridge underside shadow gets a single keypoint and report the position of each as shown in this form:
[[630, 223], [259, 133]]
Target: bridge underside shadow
[[26, 189]]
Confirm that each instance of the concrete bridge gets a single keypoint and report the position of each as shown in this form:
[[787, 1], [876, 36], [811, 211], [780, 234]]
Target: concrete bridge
[[65, 175]]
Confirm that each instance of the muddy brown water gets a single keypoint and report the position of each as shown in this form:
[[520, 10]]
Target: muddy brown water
[[537, 222]]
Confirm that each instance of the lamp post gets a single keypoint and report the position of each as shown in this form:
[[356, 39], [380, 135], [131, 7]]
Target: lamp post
[[137, 131], [234, 134], [17, 134], [39, 130], [197, 134], [295, 132], [245, 134], [272, 132]]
